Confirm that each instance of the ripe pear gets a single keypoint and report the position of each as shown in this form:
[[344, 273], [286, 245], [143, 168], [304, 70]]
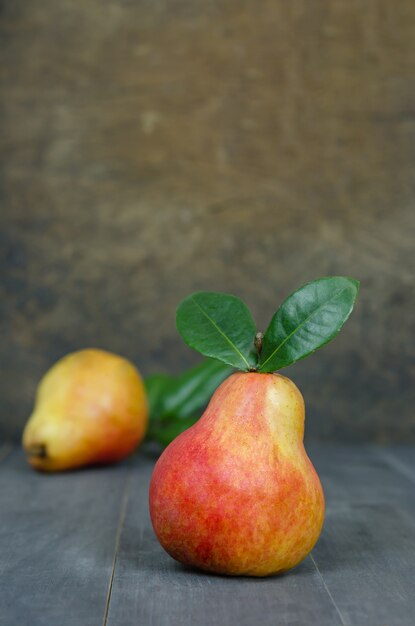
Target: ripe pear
[[236, 493], [90, 408]]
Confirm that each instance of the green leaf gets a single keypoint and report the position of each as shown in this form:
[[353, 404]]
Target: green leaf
[[176, 402], [218, 325], [307, 320], [170, 429], [193, 389]]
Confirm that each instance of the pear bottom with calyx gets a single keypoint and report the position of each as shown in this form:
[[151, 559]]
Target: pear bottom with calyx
[[236, 493], [90, 408]]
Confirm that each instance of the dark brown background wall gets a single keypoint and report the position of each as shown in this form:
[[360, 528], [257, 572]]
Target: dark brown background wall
[[151, 148]]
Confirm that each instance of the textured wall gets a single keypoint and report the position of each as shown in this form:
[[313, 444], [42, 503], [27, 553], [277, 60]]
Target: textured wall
[[151, 148]]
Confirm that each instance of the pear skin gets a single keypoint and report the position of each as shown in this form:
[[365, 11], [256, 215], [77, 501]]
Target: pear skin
[[236, 493], [90, 408]]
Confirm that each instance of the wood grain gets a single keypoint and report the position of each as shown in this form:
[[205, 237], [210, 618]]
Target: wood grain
[[78, 548], [360, 572], [57, 543], [401, 459], [155, 148], [150, 588], [366, 551]]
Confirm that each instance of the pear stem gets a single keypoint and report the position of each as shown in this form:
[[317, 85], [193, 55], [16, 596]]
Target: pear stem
[[258, 342], [38, 451]]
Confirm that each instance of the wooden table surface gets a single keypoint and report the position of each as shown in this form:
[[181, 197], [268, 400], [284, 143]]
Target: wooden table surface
[[77, 549]]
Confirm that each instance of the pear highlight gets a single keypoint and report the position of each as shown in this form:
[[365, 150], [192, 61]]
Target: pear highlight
[[236, 493], [90, 408]]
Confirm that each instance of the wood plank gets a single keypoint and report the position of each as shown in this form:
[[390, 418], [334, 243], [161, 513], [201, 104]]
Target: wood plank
[[366, 553], [69, 557], [359, 474], [366, 557], [151, 588], [401, 458], [57, 540], [5, 450]]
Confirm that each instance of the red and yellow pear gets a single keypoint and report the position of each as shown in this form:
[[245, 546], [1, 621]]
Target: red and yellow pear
[[90, 408], [236, 493]]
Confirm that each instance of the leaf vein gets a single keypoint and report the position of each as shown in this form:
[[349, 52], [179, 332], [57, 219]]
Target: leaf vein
[[299, 326], [221, 332]]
